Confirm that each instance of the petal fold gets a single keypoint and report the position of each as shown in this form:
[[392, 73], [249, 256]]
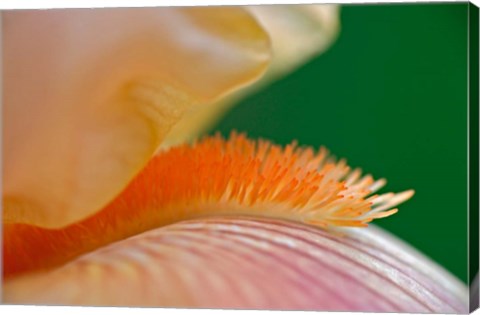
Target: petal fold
[[91, 94], [298, 33]]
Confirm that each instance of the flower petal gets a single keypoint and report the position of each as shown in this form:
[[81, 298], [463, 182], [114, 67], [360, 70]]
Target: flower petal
[[250, 263], [298, 33], [90, 95]]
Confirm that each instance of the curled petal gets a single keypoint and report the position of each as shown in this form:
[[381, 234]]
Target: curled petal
[[250, 263], [90, 95], [297, 32]]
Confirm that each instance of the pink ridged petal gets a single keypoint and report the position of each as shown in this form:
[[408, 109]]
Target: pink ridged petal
[[250, 264]]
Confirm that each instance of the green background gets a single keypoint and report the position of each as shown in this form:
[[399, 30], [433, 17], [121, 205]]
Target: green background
[[391, 96]]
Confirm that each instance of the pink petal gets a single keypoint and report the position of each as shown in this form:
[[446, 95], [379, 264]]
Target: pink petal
[[250, 264]]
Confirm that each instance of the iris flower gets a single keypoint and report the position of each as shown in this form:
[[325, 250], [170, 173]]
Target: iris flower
[[111, 199]]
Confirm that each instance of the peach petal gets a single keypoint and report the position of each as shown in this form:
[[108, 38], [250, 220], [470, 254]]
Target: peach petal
[[298, 33], [90, 94]]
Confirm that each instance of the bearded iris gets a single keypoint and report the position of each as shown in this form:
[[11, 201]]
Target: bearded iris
[[196, 225]]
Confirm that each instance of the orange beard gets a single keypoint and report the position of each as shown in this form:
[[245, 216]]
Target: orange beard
[[214, 177]]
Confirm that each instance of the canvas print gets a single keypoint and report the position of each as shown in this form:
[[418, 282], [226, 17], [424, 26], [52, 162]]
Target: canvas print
[[315, 157]]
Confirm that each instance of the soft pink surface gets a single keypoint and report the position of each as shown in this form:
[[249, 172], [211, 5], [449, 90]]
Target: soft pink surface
[[250, 264]]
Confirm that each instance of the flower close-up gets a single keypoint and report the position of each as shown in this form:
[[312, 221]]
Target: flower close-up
[[119, 191]]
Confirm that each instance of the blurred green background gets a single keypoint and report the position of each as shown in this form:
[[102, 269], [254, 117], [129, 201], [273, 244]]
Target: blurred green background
[[391, 96]]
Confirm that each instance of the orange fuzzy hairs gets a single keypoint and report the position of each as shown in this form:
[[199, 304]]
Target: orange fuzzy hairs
[[213, 177]]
